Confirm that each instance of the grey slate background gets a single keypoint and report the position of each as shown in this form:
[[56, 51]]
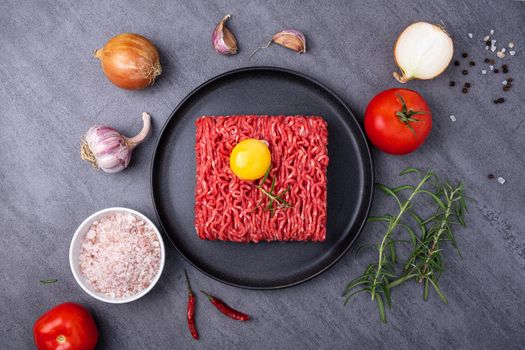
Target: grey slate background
[[52, 90]]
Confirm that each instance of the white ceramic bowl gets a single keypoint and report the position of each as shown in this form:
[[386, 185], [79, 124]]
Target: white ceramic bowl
[[74, 252]]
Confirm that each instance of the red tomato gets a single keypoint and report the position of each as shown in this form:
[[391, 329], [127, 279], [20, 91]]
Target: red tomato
[[397, 121], [67, 326]]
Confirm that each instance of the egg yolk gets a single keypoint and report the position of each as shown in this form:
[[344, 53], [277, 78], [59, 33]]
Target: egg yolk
[[250, 159]]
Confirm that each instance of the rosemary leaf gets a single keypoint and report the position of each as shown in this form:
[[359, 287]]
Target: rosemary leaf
[[409, 171], [48, 281], [266, 174], [381, 307]]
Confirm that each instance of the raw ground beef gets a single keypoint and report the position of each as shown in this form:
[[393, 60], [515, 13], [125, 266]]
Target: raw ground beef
[[226, 207]]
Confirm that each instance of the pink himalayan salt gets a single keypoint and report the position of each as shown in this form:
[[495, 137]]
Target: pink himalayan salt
[[120, 255]]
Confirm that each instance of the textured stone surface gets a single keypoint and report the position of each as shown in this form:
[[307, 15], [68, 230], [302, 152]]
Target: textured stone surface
[[52, 90]]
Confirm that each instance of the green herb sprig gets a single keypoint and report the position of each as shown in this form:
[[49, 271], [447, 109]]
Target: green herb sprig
[[425, 263], [275, 200]]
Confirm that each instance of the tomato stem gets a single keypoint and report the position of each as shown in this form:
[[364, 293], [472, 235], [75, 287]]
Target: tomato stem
[[405, 115], [61, 339]]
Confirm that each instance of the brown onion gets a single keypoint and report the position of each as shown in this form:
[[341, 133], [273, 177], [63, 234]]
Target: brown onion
[[130, 61]]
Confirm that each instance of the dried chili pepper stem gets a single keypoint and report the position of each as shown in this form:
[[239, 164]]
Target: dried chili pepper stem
[[191, 309], [226, 309]]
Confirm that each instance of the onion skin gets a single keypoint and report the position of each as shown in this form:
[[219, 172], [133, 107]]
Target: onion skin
[[405, 76], [130, 61]]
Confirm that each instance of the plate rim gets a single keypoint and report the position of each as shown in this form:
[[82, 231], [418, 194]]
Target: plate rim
[[313, 81]]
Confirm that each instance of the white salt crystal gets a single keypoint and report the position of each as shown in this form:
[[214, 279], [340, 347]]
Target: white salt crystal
[[91, 234], [486, 47], [486, 38], [504, 82], [511, 45], [453, 118], [501, 180], [512, 52], [492, 32], [483, 71], [493, 48], [491, 67], [470, 35], [503, 49]]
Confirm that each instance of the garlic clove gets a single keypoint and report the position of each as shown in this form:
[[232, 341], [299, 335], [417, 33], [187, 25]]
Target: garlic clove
[[106, 149], [223, 40], [291, 39], [115, 157], [422, 51]]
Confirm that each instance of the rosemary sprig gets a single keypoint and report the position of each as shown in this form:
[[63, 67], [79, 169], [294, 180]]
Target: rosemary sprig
[[274, 199], [377, 276], [425, 263]]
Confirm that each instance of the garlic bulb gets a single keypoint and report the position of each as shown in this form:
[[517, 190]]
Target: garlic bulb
[[422, 51], [107, 149], [223, 40]]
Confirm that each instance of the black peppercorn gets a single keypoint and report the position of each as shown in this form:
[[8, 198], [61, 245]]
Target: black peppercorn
[[464, 90], [464, 72], [472, 63], [464, 55], [491, 176], [501, 100], [452, 83], [492, 61], [495, 102], [456, 63], [467, 85], [505, 68], [496, 70], [486, 60], [488, 43]]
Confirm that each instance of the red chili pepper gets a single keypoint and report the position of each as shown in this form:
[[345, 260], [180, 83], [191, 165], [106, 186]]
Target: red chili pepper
[[225, 309], [191, 309]]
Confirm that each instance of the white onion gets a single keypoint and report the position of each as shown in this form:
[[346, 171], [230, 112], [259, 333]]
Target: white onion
[[422, 51]]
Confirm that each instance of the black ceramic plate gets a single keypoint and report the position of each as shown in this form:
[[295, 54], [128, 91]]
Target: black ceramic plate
[[272, 91]]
